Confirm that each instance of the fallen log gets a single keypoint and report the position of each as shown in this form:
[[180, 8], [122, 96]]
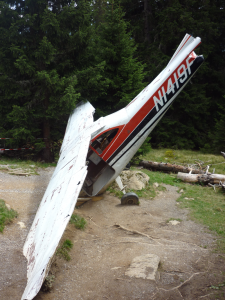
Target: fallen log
[[188, 177], [202, 178], [167, 167]]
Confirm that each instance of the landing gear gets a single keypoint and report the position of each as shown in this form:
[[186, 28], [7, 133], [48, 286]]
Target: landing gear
[[130, 199]]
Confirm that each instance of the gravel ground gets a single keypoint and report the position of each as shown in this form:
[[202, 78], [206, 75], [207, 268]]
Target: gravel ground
[[102, 253]]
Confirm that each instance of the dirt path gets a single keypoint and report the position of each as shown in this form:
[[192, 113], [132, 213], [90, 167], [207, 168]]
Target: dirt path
[[102, 253]]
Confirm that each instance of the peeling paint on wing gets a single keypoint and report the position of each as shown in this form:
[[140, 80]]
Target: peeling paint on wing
[[59, 199]]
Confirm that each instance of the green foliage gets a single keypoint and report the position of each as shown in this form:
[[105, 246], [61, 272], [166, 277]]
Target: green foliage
[[54, 54], [78, 221], [48, 283], [169, 154], [63, 250], [6, 215], [218, 136], [148, 192], [123, 73], [115, 192], [185, 157], [43, 53], [158, 28], [217, 287]]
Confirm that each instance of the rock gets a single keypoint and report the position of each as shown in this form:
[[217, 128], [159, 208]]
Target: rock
[[189, 198], [135, 180], [155, 184], [32, 166], [181, 191], [144, 266], [115, 268], [8, 206], [22, 225], [174, 222]]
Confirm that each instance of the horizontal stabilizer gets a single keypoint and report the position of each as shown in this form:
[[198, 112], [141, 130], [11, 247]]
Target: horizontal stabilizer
[[187, 40]]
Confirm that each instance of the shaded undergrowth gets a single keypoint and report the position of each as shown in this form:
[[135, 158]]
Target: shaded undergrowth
[[6, 215]]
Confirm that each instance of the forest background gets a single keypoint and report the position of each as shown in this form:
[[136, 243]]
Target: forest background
[[54, 54]]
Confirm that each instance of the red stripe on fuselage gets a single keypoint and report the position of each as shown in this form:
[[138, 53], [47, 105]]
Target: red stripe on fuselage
[[111, 144], [143, 111]]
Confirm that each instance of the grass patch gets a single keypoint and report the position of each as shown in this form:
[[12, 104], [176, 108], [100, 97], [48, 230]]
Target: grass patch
[[208, 207], [163, 178], [115, 192], [63, 251], [27, 166], [205, 205], [78, 221], [218, 287], [148, 192], [185, 157], [6, 215]]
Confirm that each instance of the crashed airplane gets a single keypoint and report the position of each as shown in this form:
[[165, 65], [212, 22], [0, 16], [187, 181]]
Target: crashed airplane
[[93, 154]]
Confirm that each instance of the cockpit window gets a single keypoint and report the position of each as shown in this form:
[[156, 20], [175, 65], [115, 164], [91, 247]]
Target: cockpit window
[[104, 140]]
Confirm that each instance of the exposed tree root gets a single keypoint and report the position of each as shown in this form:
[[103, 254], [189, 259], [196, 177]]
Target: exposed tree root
[[205, 296], [93, 221], [136, 232], [180, 285]]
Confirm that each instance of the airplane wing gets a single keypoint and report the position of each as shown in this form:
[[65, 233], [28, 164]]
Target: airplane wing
[[60, 197]]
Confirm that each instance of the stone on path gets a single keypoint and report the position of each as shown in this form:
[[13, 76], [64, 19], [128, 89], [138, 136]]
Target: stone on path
[[144, 266], [174, 222], [22, 225], [8, 206]]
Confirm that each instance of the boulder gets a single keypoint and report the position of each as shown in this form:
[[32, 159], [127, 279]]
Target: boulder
[[144, 266], [135, 180]]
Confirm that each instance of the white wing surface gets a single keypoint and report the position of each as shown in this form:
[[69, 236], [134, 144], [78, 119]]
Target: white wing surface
[[60, 198]]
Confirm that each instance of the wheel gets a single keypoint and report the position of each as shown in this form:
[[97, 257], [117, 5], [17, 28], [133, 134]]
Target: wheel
[[130, 199], [127, 167]]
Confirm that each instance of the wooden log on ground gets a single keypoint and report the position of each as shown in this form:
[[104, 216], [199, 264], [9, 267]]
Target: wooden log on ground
[[167, 167], [213, 178], [187, 177], [202, 178]]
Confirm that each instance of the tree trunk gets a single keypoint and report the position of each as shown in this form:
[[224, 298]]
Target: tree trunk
[[166, 167], [46, 152], [203, 178], [146, 19]]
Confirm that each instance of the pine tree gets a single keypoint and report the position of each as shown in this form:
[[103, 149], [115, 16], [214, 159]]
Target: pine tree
[[123, 73], [43, 49], [192, 116]]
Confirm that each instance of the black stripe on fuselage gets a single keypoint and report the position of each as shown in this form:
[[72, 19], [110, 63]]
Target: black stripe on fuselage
[[196, 64]]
